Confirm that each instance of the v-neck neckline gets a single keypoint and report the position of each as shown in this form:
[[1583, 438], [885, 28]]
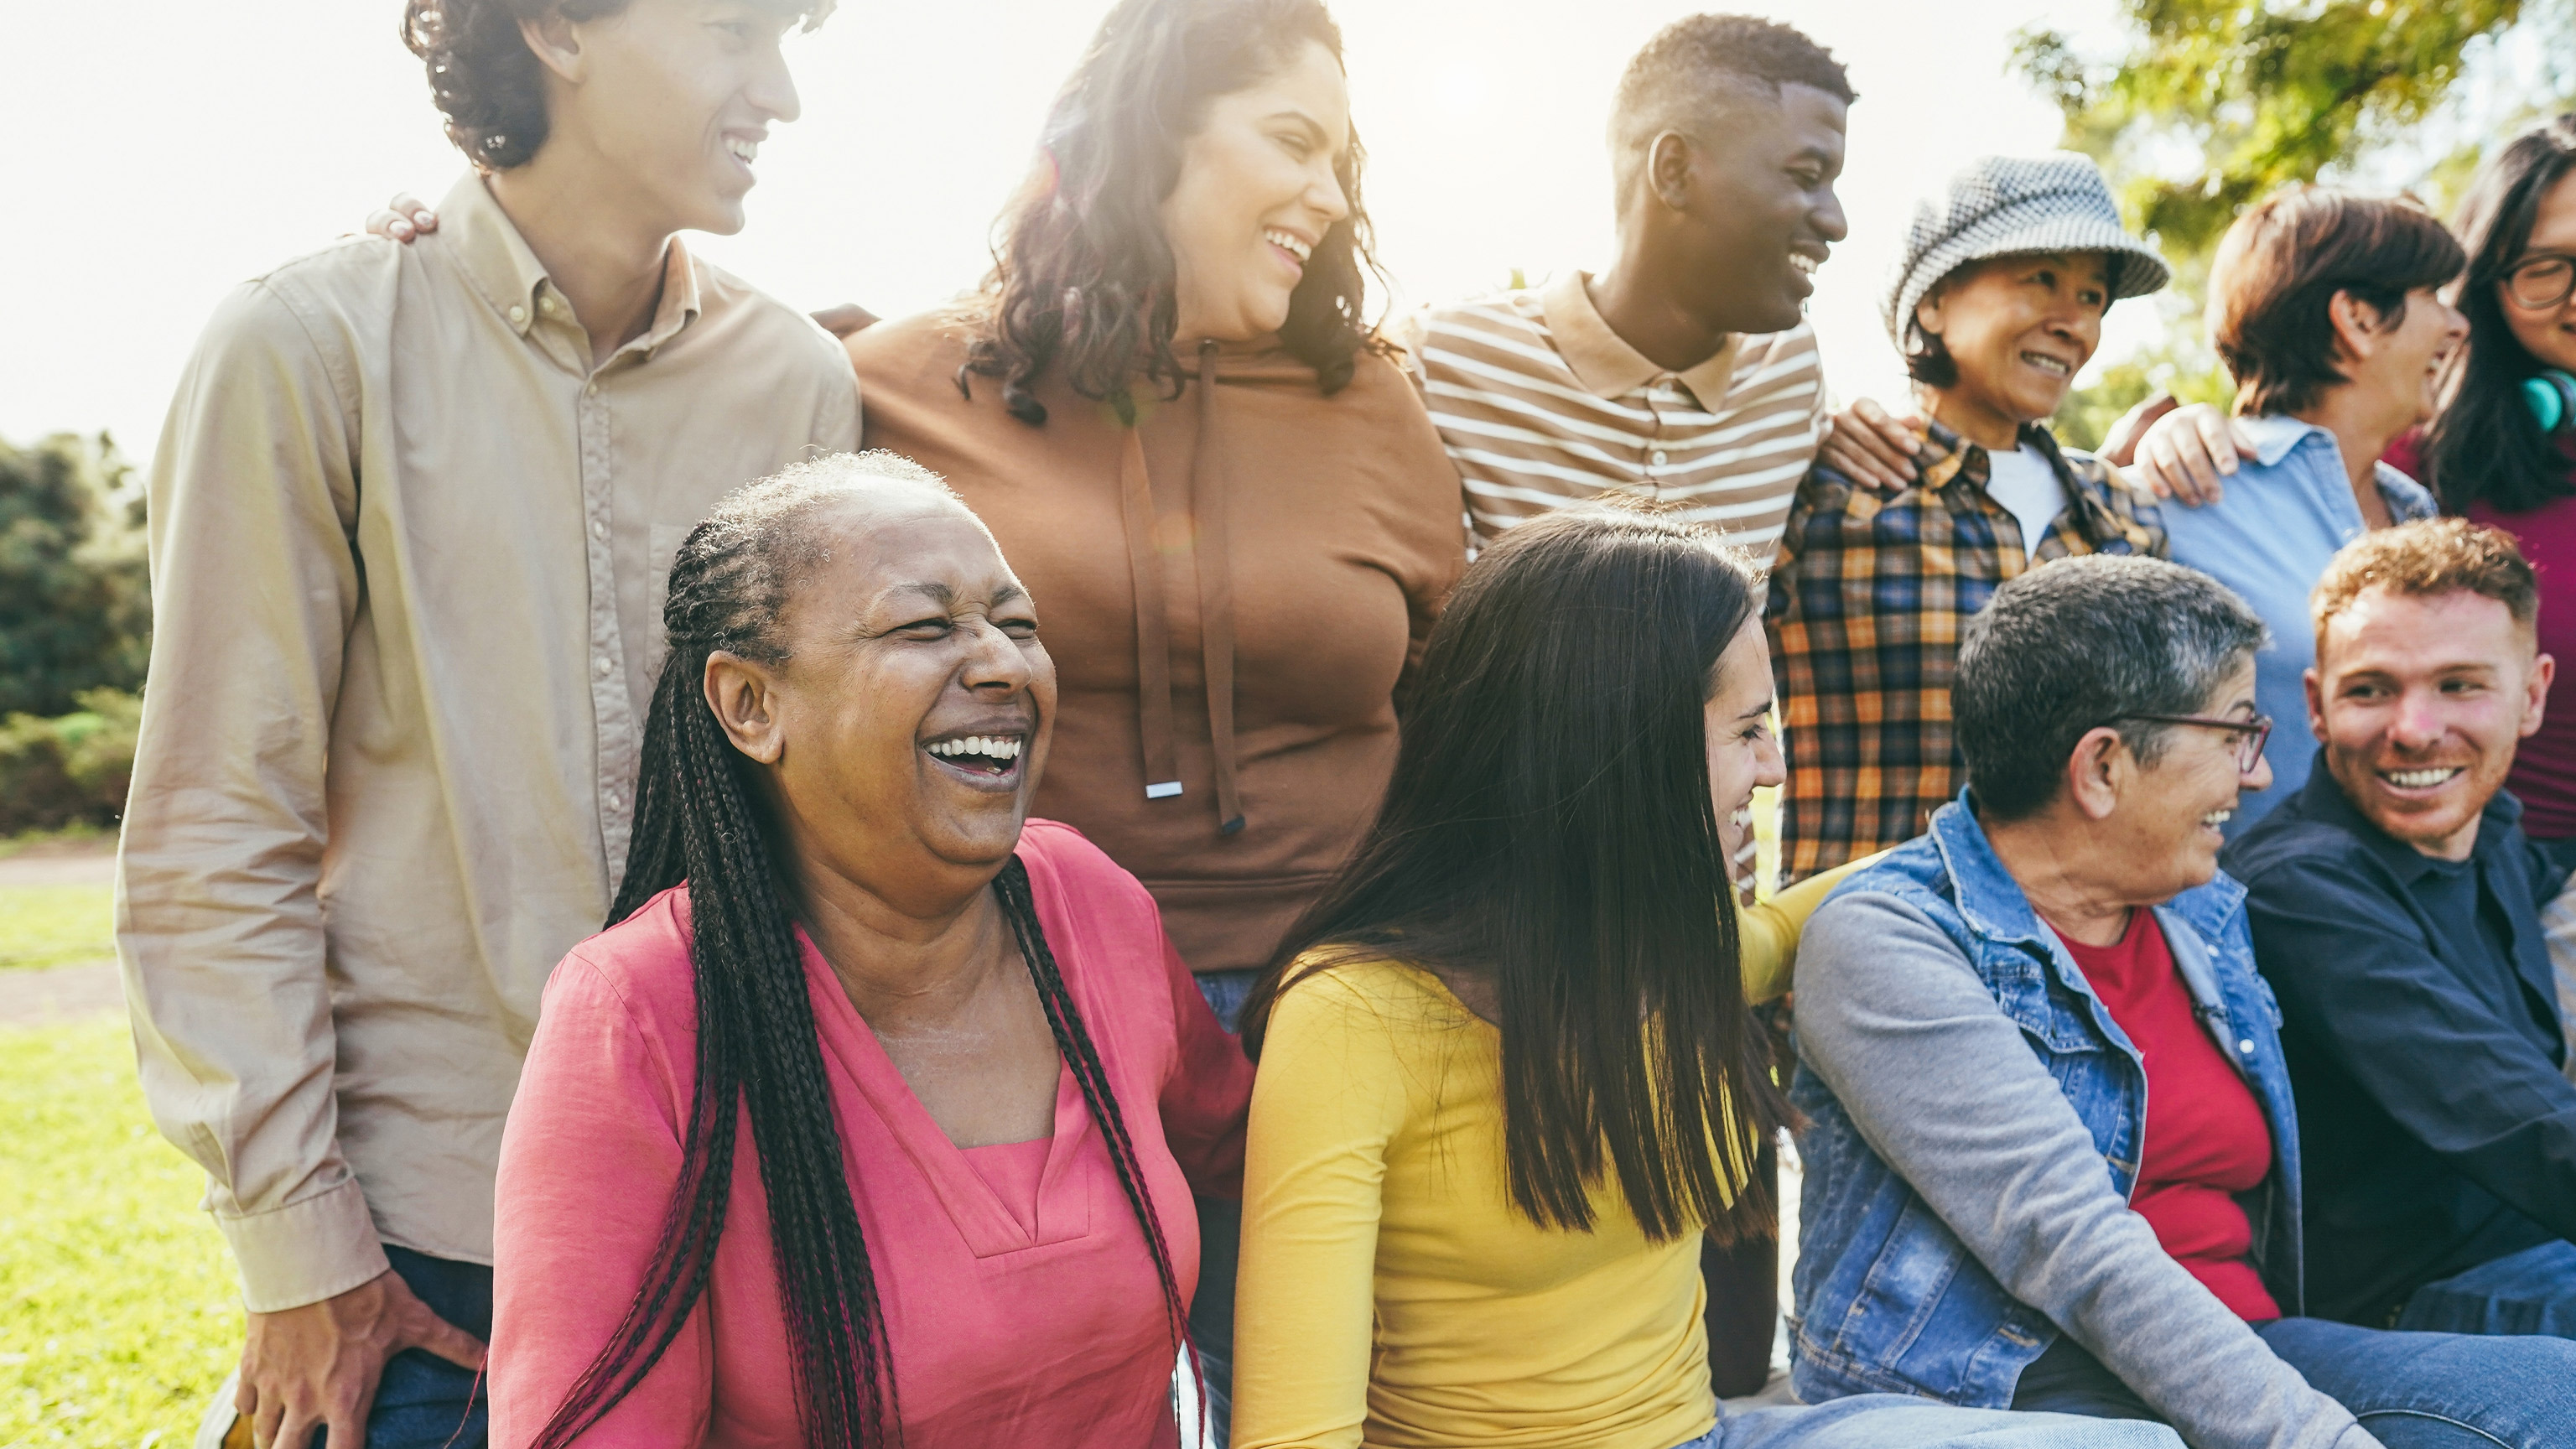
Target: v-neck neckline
[[987, 1224]]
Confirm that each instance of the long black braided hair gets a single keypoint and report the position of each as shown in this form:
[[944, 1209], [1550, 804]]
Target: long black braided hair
[[699, 819]]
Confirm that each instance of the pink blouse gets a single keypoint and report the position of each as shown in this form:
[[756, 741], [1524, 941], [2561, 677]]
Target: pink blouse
[[1020, 1299]]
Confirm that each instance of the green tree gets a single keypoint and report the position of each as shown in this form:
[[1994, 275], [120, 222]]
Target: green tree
[[75, 602], [2210, 105]]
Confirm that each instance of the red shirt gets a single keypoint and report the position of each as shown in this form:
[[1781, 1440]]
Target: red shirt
[[2206, 1137], [1020, 1301]]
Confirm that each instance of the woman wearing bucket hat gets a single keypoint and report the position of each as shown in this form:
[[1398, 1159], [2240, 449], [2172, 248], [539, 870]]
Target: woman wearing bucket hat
[[1997, 303]]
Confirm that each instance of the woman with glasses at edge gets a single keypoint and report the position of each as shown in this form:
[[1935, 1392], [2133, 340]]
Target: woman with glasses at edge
[[2502, 450]]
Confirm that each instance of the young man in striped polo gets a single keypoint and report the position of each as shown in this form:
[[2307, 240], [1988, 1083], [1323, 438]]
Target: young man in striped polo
[[1686, 373]]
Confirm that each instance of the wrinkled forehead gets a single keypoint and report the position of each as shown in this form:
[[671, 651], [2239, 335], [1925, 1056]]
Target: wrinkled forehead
[[900, 548]]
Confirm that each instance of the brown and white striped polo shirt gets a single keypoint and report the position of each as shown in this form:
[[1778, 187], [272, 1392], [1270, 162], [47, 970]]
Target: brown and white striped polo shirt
[[1542, 405]]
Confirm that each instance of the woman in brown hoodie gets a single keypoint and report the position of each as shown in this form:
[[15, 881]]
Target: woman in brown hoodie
[[1228, 503]]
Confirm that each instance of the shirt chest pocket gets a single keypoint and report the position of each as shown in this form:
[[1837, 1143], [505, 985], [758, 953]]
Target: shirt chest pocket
[[2053, 1017]]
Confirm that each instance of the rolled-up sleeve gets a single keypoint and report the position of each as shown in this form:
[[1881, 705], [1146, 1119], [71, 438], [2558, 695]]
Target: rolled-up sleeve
[[255, 586]]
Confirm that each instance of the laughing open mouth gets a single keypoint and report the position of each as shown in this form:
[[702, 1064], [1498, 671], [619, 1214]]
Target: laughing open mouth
[[2424, 779], [993, 755]]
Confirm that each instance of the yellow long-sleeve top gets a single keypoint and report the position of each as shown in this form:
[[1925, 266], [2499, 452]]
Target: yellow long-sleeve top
[[1391, 1295]]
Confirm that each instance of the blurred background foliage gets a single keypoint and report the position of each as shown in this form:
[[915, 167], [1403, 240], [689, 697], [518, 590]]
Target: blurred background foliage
[[75, 631], [2206, 106]]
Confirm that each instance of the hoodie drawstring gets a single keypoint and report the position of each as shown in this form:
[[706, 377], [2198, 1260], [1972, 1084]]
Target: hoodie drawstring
[[1216, 610], [1216, 594]]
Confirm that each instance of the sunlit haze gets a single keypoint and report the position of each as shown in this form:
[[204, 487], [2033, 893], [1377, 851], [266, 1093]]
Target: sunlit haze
[[161, 152]]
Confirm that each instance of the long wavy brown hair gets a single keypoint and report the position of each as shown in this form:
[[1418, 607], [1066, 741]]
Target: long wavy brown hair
[[1082, 278]]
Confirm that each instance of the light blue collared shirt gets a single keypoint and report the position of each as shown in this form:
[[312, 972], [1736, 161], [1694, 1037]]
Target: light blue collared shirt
[[2284, 515]]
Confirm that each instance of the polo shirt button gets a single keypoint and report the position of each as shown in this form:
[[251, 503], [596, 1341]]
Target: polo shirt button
[[518, 315], [2246, 1047]]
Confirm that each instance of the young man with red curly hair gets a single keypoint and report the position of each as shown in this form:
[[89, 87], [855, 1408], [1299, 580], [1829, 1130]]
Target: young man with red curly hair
[[412, 518]]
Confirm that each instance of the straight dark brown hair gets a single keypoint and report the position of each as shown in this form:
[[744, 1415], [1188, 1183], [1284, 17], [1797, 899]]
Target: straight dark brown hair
[[2279, 267], [1549, 830], [2485, 446]]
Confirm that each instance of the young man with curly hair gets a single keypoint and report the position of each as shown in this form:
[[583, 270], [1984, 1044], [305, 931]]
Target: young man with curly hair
[[412, 518]]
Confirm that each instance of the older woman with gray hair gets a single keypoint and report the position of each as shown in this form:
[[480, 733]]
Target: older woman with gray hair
[[1991, 1216]]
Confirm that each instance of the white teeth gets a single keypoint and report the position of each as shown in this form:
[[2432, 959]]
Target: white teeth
[[743, 150], [2418, 779], [2217, 817], [1288, 243], [1802, 262], [993, 747], [2047, 364]]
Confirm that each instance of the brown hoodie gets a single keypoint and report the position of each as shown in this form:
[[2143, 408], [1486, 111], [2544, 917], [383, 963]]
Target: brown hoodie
[[1298, 558]]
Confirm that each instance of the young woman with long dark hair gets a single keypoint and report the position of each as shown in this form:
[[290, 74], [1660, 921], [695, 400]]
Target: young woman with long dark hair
[[873, 1117], [1168, 404], [1509, 1076]]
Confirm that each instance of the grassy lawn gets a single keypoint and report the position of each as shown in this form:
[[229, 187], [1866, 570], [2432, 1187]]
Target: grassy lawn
[[56, 925], [118, 1310]]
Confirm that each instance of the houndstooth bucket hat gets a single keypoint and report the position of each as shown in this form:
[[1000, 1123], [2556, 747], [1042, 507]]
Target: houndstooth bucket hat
[[2001, 206]]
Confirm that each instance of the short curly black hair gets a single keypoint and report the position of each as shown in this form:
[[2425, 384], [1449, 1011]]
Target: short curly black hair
[[488, 83]]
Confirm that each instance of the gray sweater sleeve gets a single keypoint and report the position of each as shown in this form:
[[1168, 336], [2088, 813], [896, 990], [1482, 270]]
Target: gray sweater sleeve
[[1942, 1085]]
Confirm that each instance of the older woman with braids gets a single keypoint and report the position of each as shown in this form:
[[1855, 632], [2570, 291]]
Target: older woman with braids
[[875, 1114]]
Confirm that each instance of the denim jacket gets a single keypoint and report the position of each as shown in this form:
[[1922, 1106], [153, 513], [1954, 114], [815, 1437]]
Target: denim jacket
[[1889, 1297]]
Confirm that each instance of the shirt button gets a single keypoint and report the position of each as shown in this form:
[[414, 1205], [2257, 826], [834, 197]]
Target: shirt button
[[604, 666], [616, 800], [591, 391], [598, 530], [1656, 457], [518, 315], [550, 307], [2246, 1047]]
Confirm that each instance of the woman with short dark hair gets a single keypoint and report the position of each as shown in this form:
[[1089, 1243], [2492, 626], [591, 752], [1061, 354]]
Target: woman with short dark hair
[[2052, 1159], [873, 1117], [1509, 1077], [2324, 307]]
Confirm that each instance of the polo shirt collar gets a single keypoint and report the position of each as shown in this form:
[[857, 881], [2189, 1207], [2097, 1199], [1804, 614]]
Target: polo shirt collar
[[513, 282], [1603, 361]]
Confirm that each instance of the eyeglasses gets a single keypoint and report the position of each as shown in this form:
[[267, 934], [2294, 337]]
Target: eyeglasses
[[2541, 280], [2250, 733]]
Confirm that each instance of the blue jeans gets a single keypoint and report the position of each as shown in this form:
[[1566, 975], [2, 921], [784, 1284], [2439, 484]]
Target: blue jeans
[[2533, 1291], [1220, 1238], [1901, 1421], [2410, 1390], [425, 1402]]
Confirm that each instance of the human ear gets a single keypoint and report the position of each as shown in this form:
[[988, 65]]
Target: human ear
[[556, 43], [2535, 693], [2316, 702], [2094, 772], [2357, 324], [1927, 313], [743, 696], [1668, 165]]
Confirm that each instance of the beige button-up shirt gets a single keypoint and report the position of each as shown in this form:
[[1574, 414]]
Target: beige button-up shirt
[[408, 556]]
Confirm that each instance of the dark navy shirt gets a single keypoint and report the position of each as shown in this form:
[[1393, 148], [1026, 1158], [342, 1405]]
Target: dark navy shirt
[[2421, 1026]]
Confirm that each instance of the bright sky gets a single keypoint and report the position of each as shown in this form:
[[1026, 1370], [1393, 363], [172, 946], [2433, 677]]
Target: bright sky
[[227, 138]]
